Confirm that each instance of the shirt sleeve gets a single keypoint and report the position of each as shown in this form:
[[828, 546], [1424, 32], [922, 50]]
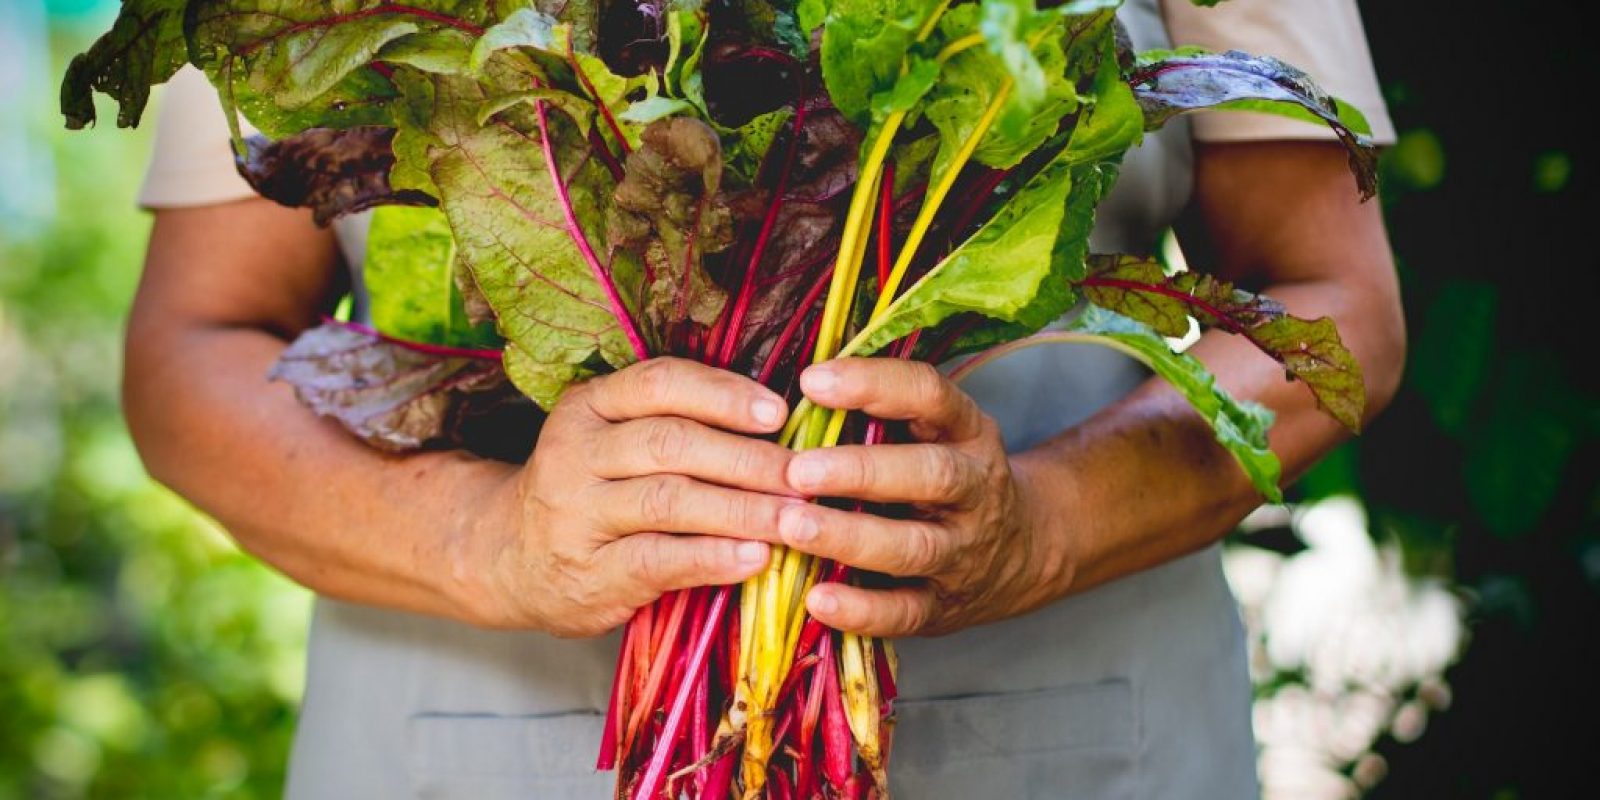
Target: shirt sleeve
[[191, 161], [1323, 37]]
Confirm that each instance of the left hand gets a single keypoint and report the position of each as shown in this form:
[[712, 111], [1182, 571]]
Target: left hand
[[977, 546]]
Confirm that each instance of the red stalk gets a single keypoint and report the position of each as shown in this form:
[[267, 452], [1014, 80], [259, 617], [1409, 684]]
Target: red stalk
[[885, 226], [741, 306], [719, 779], [581, 240], [600, 103], [886, 685], [977, 197], [597, 143], [837, 747], [781, 345], [656, 773], [660, 662]]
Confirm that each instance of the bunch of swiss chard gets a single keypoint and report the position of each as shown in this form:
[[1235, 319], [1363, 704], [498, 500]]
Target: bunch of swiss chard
[[566, 187]]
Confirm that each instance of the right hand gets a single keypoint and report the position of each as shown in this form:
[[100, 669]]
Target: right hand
[[643, 482]]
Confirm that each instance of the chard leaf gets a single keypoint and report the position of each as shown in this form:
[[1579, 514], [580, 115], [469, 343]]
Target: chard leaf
[[144, 47], [1240, 426], [1111, 121], [510, 229], [577, 109], [651, 109], [393, 397], [447, 51], [289, 66], [998, 272], [969, 84], [1310, 350], [864, 43], [525, 27], [668, 214], [411, 278], [1171, 83], [332, 172]]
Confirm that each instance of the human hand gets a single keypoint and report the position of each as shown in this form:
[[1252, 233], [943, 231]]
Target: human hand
[[975, 546], [641, 484]]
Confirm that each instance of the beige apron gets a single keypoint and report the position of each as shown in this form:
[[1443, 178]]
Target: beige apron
[[1137, 689]]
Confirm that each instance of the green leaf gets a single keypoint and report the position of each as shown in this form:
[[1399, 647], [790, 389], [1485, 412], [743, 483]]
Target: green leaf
[[1517, 458], [864, 43], [970, 83], [1111, 122], [411, 279], [1451, 356], [998, 272], [525, 27], [508, 224], [1171, 83], [447, 51], [1240, 426], [144, 47], [1310, 350], [651, 109], [577, 109]]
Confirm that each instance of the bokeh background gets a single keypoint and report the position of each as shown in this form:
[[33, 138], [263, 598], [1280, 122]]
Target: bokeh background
[[1423, 616]]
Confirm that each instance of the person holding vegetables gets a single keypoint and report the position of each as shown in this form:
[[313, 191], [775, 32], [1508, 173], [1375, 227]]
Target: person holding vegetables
[[1059, 584]]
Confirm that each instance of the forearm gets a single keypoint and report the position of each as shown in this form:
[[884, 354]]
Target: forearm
[[296, 491]]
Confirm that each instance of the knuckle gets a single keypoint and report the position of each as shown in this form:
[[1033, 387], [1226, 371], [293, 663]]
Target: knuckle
[[923, 549], [927, 380], [643, 562], [665, 442], [654, 377], [660, 501], [944, 474], [858, 468]]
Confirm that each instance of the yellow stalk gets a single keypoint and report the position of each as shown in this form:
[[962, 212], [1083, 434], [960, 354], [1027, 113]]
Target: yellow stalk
[[860, 701], [935, 199]]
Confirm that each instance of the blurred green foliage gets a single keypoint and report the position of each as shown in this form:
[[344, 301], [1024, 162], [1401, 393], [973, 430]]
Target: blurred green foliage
[[141, 655]]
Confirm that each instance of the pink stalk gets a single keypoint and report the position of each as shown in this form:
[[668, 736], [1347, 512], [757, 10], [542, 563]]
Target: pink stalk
[[579, 238], [886, 685], [655, 774], [612, 733], [699, 724]]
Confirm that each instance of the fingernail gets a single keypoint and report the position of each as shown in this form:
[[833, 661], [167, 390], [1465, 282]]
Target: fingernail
[[751, 553], [808, 471], [767, 411], [796, 525], [819, 379], [822, 602]]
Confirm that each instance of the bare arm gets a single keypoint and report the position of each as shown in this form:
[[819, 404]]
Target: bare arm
[[1283, 214], [1140, 483], [551, 545]]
